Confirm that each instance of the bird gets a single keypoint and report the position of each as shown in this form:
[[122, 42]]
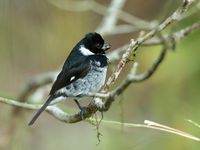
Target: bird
[[83, 71]]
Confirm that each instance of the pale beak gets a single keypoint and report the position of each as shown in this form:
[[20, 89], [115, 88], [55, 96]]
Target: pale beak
[[106, 46]]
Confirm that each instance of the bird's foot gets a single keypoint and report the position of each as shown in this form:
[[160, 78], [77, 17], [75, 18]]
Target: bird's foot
[[82, 108]]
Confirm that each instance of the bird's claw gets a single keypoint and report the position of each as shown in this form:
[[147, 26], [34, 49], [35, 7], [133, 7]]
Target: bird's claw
[[82, 112], [82, 108]]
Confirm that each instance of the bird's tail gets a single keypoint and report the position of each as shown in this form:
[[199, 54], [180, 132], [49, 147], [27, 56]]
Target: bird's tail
[[41, 110]]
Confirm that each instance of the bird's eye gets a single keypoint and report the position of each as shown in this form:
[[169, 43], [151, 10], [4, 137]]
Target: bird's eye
[[98, 46]]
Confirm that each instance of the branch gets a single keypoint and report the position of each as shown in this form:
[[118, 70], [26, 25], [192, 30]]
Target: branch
[[53, 110], [65, 117], [134, 44], [115, 54], [193, 10], [177, 35], [110, 20], [46, 78], [92, 5], [108, 24], [127, 56], [111, 15], [150, 125], [131, 77], [97, 103], [194, 123], [36, 82]]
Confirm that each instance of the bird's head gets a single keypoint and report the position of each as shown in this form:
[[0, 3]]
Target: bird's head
[[93, 43]]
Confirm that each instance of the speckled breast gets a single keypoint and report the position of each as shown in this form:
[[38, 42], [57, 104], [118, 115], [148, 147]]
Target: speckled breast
[[92, 82]]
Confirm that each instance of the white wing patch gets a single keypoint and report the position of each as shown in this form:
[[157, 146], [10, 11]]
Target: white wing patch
[[97, 63], [85, 51], [72, 78]]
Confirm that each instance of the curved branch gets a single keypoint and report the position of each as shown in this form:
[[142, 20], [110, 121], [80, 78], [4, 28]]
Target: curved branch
[[110, 20], [97, 103], [141, 77], [150, 125], [134, 44], [65, 117], [36, 82], [46, 78], [98, 8], [115, 54]]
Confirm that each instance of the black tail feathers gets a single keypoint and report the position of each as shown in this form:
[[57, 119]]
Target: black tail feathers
[[41, 110]]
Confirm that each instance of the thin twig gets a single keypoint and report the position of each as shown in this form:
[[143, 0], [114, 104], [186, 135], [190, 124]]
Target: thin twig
[[150, 125], [65, 117], [194, 123], [46, 78], [102, 10], [110, 20], [138, 78], [115, 54], [177, 35], [97, 103], [133, 46], [36, 82]]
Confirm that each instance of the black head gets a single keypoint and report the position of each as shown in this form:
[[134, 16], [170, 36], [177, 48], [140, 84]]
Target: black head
[[95, 43]]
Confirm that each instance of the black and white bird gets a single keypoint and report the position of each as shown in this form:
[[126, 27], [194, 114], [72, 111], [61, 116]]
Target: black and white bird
[[84, 71]]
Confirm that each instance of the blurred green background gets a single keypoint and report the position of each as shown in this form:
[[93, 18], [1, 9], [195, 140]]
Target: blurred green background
[[36, 37]]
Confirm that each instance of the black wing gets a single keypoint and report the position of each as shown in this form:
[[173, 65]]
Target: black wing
[[71, 73]]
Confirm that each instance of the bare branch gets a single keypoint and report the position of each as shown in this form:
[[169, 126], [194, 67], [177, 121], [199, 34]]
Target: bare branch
[[115, 54], [46, 78], [148, 73], [102, 101], [97, 103], [110, 20], [65, 117], [134, 44], [19, 104], [98, 8], [192, 11], [108, 24], [35, 82], [131, 77], [177, 35], [122, 29], [150, 125], [124, 16]]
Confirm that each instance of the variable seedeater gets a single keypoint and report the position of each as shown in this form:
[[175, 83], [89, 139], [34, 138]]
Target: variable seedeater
[[84, 71]]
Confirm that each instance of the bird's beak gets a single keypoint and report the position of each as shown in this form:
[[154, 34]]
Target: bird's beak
[[106, 46]]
